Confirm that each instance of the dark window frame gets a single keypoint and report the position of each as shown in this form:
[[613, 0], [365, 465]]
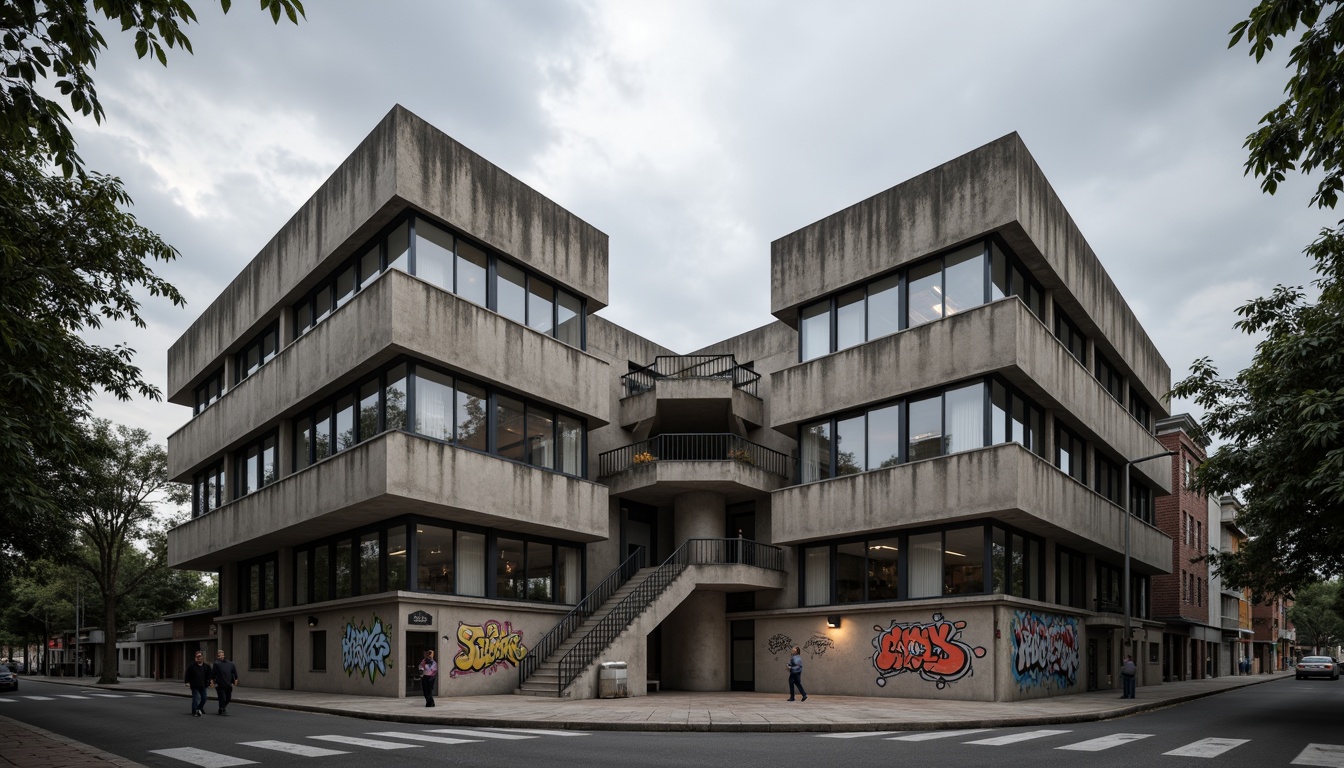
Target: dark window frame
[[200, 486], [241, 460], [269, 562], [209, 391], [241, 370], [259, 652]]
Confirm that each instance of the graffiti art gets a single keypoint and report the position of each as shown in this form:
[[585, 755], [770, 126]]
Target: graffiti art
[[486, 647], [1045, 650], [366, 650], [778, 643], [934, 651], [817, 645]]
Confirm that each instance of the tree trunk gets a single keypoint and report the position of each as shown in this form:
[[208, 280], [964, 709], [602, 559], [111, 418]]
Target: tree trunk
[[109, 675]]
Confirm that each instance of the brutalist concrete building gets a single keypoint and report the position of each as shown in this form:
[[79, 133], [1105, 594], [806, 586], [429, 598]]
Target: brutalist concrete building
[[411, 430]]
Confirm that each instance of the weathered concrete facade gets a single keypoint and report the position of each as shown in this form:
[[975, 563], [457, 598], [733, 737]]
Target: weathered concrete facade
[[456, 450]]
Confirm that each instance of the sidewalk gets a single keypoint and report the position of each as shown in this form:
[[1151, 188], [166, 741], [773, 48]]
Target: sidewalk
[[29, 747]]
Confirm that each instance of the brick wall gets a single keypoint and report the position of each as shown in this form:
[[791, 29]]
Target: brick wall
[[1184, 516]]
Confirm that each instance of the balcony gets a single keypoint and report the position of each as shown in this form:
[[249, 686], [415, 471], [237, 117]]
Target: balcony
[[655, 470], [691, 393]]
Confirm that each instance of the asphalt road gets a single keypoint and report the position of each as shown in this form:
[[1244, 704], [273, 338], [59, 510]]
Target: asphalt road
[[1281, 723]]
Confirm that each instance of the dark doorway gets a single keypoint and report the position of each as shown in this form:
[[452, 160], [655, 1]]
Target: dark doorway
[[416, 645], [639, 528], [743, 655], [1092, 664]]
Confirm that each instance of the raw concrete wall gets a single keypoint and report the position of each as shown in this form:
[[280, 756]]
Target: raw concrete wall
[[398, 314], [995, 188], [394, 473], [403, 163], [1006, 482]]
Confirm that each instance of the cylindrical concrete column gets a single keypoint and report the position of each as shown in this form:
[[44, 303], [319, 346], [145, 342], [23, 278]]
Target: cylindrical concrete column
[[695, 644], [698, 515]]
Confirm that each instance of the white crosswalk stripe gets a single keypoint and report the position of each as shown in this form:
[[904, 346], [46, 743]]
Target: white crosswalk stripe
[[355, 741], [1013, 738], [538, 731], [423, 737], [1105, 742], [108, 695], [485, 734], [1207, 747], [202, 758], [301, 750], [10, 701], [852, 734], [931, 735], [1328, 755], [38, 698], [71, 696]]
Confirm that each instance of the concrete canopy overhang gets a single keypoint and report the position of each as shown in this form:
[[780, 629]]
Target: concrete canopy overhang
[[393, 474], [1006, 483], [693, 405]]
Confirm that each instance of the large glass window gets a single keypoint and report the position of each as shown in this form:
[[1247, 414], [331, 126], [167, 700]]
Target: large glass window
[[850, 448], [815, 452], [395, 402], [370, 552], [472, 268], [471, 563], [256, 466], [511, 292], [851, 571], [208, 490], [509, 576], [433, 404], [258, 352], [540, 306], [509, 428], [1070, 336], [965, 417], [964, 279], [884, 437], [540, 436], [434, 558], [1110, 377], [1070, 578], [883, 571], [396, 558], [926, 293], [569, 319], [815, 329], [884, 309], [345, 422], [817, 576], [964, 561], [926, 428], [368, 409], [1069, 454], [209, 392], [849, 319], [471, 416], [1106, 478], [433, 255]]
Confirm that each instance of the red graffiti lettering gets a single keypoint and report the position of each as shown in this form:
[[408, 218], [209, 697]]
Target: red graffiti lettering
[[934, 651]]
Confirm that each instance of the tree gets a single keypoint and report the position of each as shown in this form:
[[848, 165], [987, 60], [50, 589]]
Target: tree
[[1315, 613], [71, 256], [1283, 416], [113, 500]]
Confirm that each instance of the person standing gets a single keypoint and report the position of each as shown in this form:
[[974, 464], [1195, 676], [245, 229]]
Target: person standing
[[198, 680], [796, 673], [225, 675], [1129, 676], [429, 672]]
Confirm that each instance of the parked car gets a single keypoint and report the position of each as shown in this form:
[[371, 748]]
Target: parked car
[[9, 679], [1317, 666]]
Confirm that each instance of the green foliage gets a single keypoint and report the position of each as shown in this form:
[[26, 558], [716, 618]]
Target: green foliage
[[113, 497], [71, 256], [1283, 416], [60, 39], [1316, 615]]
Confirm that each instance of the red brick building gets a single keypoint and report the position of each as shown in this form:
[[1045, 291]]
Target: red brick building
[[1181, 599]]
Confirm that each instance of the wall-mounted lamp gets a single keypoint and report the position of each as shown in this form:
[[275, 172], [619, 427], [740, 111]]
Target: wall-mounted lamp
[[833, 621], [312, 621]]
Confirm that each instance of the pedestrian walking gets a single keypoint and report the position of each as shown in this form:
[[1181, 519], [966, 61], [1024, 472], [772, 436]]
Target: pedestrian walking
[[225, 676], [1129, 676], [429, 672], [796, 673], [198, 680]]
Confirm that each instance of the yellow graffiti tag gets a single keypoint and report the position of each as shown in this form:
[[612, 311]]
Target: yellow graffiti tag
[[482, 647]]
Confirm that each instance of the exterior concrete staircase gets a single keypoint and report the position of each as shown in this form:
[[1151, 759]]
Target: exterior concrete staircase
[[545, 680], [575, 644]]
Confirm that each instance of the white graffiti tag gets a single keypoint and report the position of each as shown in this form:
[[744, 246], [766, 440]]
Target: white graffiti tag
[[365, 650]]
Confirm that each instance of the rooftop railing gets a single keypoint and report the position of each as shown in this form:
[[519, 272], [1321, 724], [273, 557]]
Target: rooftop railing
[[694, 446], [691, 367]]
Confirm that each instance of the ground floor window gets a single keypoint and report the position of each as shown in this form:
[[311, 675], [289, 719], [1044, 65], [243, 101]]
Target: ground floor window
[[259, 652], [318, 643], [962, 560]]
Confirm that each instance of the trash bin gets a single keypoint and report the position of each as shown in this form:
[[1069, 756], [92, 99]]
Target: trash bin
[[611, 680]]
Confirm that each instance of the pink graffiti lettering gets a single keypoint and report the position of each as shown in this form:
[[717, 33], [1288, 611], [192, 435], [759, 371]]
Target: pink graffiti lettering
[[933, 651]]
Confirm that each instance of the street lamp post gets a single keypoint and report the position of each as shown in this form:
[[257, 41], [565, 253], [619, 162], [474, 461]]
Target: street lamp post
[[1129, 638]]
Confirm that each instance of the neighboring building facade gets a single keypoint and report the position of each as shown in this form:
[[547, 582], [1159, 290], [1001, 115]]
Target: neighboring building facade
[[411, 431], [1181, 600], [1229, 609]]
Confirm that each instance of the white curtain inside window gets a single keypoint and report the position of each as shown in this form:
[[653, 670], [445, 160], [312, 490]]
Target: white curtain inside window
[[926, 565], [470, 563], [434, 405], [816, 453], [965, 417], [817, 564]]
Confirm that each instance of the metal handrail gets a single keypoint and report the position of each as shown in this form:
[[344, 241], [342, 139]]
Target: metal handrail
[[694, 446], [645, 378], [693, 552], [571, 621]]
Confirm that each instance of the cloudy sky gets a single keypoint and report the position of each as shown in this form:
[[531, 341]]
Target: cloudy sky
[[695, 133]]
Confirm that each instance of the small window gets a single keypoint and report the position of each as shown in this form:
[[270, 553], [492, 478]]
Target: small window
[[259, 652], [318, 643]]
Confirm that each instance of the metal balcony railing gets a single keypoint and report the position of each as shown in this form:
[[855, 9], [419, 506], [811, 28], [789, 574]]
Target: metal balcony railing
[[693, 552], [691, 367], [544, 647], [694, 446]]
